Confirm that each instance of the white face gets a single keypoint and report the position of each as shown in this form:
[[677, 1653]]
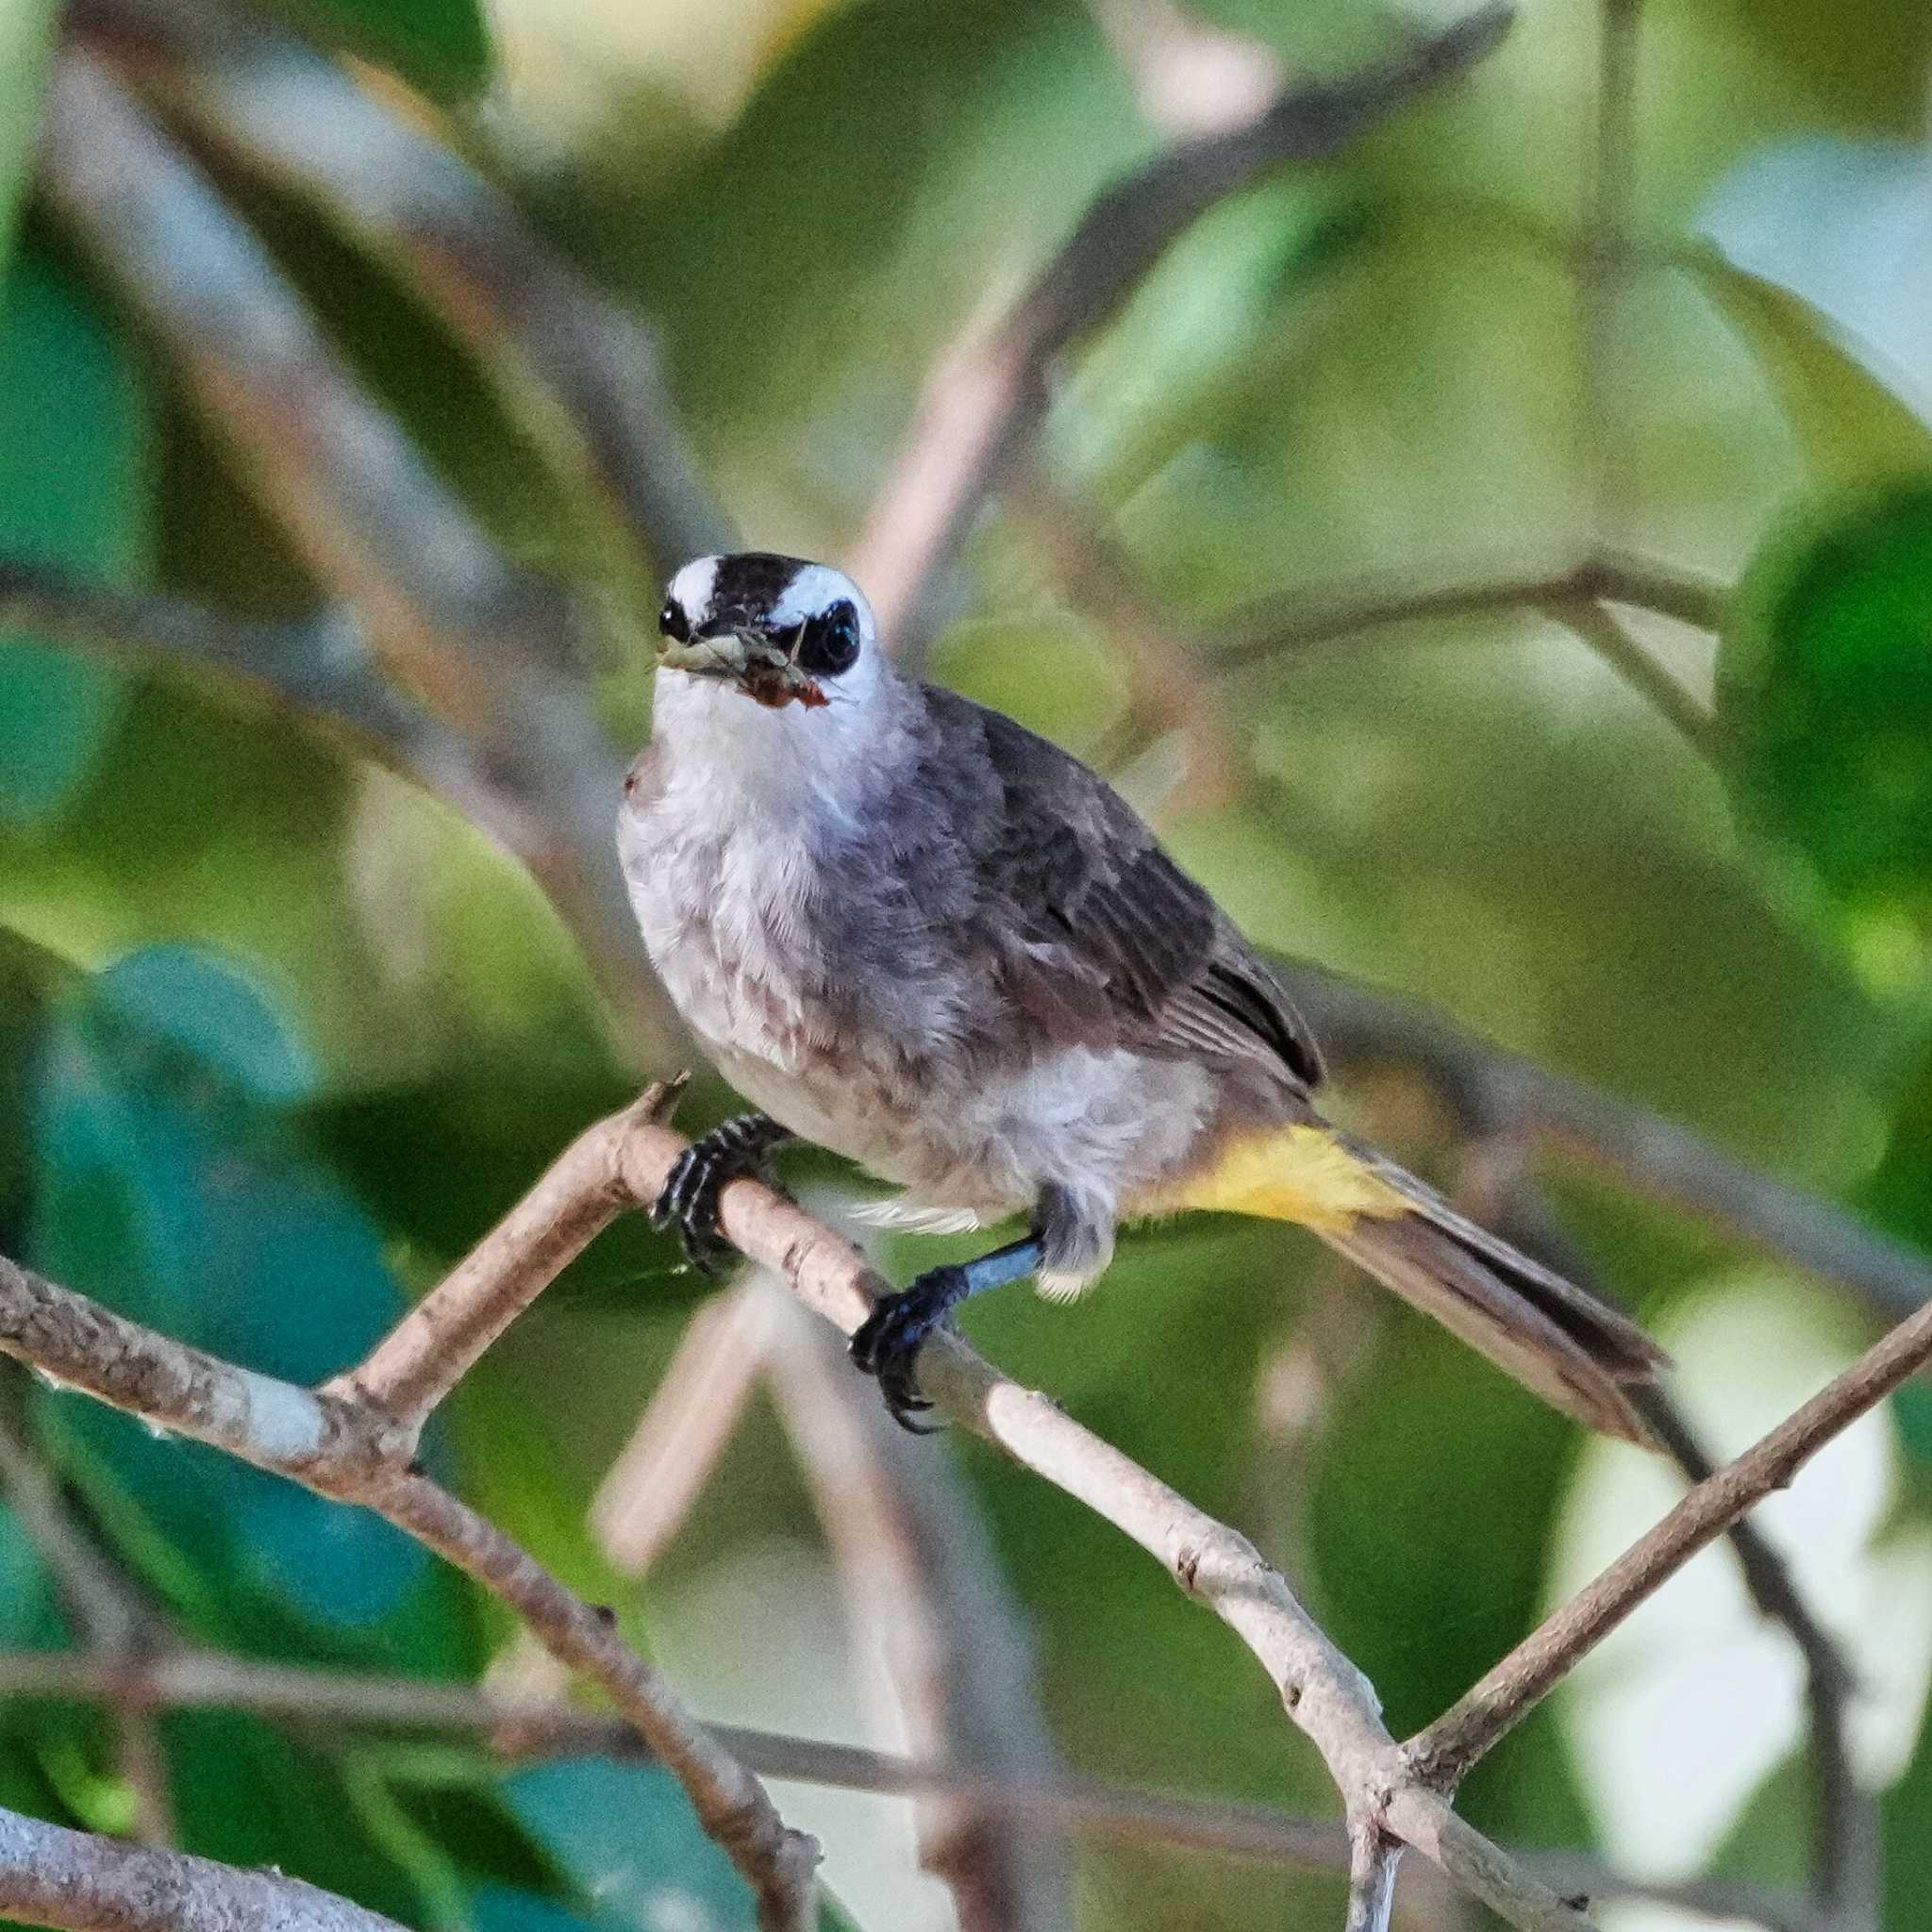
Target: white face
[[777, 630]]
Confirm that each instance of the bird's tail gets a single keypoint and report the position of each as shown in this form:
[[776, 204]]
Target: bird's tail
[[1571, 1349]]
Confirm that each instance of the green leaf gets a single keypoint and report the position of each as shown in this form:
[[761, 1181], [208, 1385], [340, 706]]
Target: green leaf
[[442, 47], [166, 1188], [1825, 690], [25, 29], [74, 492], [1905, 1814], [246, 1793], [626, 1834]]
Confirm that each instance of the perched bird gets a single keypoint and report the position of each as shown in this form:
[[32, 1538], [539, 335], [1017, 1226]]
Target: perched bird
[[913, 932]]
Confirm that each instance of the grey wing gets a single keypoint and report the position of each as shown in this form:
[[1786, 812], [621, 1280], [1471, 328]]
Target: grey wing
[[1104, 940]]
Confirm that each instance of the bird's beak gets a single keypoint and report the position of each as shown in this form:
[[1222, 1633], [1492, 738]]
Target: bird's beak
[[720, 651], [760, 668]]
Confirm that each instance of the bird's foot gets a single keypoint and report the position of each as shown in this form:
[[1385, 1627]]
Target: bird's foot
[[888, 1342], [734, 1150]]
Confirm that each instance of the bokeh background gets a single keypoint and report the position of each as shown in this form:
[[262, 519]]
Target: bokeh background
[[283, 1030]]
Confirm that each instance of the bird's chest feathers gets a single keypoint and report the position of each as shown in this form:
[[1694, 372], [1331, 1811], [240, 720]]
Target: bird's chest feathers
[[726, 919]]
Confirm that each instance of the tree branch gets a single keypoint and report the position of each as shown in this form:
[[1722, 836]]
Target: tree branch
[[1440, 1753], [924, 1591], [1371, 1861], [1606, 634], [491, 644], [50, 1875], [344, 1449], [522, 1728], [1845, 1843], [582, 374], [436, 1344], [338, 1446], [1286, 622], [321, 664], [983, 400]]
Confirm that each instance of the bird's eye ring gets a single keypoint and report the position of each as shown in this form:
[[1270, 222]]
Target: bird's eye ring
[[672, 623]]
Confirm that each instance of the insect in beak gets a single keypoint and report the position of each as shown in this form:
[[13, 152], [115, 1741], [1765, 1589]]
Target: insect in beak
[[760, 666]]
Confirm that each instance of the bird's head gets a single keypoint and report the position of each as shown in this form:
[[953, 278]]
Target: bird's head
[[780, 630]]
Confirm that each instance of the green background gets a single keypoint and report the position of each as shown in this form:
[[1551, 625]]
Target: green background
[[283, 1034]]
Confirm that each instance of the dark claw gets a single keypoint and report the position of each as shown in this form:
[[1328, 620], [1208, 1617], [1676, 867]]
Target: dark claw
[[888, 1342], [689, 1199]]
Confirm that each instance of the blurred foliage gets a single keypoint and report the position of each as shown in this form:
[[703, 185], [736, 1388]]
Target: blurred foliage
[[1825, 684], [279, 1036]]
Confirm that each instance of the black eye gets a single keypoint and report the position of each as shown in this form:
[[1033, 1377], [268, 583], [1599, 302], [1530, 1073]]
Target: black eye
[[672, 623], [828, 643]]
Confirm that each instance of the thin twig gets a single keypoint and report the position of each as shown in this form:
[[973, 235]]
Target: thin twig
[[1162, 653], [924, 1588], [583, 374], [1286, 622], [492, 646], [984, 399], [1440, 1753], [731, 1805], [345, 1450], [436, 1344], [75, 1880], [526, 1728], [1371, 1861], [1847, 1851], [1606, 633], [113, 1616], [1845, 1838]]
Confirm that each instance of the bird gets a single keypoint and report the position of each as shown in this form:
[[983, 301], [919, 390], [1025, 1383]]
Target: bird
[[910, 931]]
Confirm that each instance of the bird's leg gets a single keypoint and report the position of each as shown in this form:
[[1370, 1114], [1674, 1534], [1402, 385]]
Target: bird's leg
[[888, 1342], [733, 1150]]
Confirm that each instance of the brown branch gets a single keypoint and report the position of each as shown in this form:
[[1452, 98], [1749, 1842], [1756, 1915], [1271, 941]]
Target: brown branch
[[1444, 1751], [1322, 1692], [924, 1589], [731, 1805], [1845, 1855], [342, 1449], [1286, 622], [491, 646], [582, 374], [983, 400], [524, 1729], [1846, 1851], [50, 1875], [322, 664], [436, 1344]]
